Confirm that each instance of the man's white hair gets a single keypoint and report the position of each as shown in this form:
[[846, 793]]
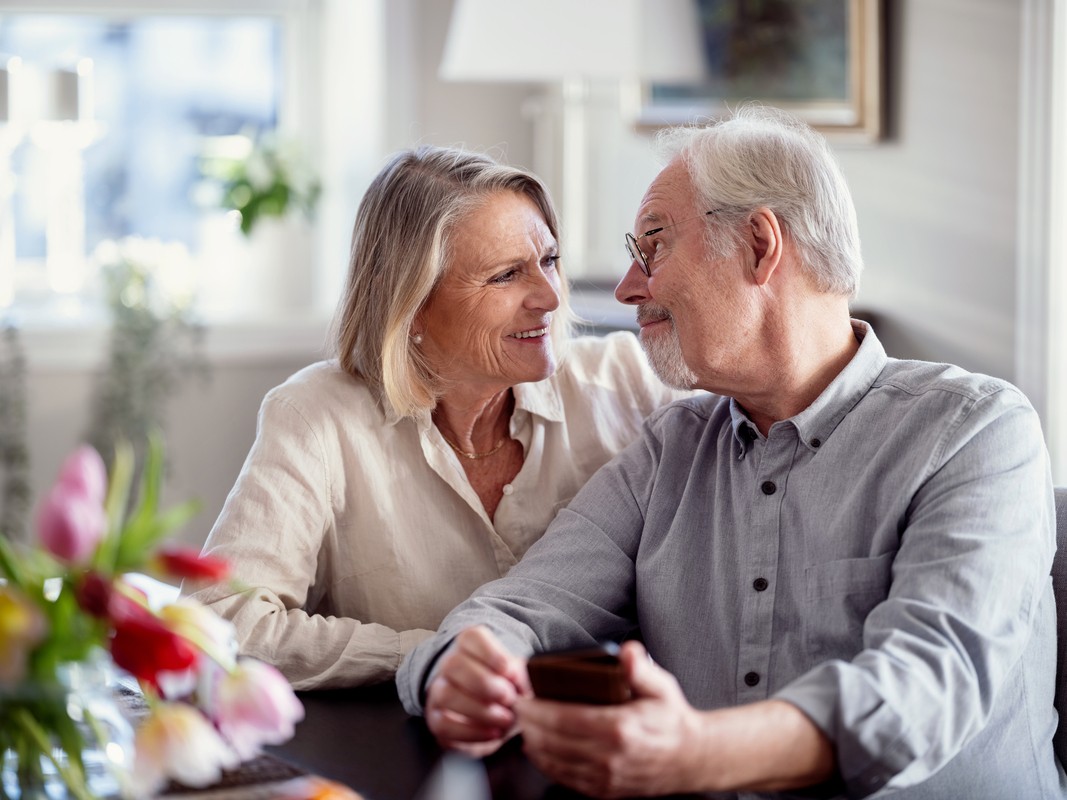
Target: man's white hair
[[761, 156]]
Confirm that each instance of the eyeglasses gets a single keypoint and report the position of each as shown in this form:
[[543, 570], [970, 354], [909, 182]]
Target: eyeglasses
[[638, 255]]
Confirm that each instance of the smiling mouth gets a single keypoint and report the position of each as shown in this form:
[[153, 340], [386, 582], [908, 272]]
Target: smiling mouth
[[529, 334], [648, 315]]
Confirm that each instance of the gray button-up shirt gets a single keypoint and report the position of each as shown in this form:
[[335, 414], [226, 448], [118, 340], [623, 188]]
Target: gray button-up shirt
[[881, 560]]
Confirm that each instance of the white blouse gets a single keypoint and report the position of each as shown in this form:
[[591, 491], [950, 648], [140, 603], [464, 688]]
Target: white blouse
[[352, 532]]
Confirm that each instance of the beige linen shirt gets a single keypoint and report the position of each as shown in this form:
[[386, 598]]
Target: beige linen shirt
[[357, 531]]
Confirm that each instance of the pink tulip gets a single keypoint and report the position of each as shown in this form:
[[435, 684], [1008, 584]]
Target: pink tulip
[[254, 705], [177, 741], [70, 524], [84, 474]]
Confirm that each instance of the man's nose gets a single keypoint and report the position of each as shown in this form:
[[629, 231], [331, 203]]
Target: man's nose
[[633, 288]]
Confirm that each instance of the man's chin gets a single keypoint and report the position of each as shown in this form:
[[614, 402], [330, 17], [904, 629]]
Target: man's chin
[[664, 354]]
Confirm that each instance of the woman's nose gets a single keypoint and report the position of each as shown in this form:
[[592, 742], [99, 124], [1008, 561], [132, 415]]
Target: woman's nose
[[545, 294]]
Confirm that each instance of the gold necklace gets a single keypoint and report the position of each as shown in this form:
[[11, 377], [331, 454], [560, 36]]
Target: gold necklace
[[474, 456]]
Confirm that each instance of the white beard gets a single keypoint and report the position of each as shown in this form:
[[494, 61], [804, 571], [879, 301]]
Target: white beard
[[665, 355]]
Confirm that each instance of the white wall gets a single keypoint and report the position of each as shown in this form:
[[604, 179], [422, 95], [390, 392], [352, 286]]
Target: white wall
[[936, 203], [936, 200], [210, 425]]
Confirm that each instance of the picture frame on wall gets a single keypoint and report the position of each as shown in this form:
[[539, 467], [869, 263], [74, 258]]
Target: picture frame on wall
[[819, 59]]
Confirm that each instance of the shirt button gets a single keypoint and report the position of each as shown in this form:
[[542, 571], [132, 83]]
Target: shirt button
[[508, 488], [751, 678], [768, 487], [760, 584], [816, 443]]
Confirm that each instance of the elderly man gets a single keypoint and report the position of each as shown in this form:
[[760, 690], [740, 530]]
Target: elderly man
[[838, 561]]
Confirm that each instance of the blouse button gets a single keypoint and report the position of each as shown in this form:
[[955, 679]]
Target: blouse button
[[508, 488]]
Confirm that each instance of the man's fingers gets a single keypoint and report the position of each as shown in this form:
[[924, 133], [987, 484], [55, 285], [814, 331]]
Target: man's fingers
[[447, 696], [479, 644], [646, 678], [452, 728], [476, 679], [469, 701]]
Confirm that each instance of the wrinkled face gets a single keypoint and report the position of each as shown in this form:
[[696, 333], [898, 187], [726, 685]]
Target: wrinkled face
[[486, 326], [692, 310]]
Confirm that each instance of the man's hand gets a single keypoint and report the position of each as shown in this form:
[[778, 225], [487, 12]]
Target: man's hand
[[470, 701], [651, 745], [659, 744]]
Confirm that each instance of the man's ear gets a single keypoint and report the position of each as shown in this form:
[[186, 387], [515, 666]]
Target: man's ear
[[765, 241]]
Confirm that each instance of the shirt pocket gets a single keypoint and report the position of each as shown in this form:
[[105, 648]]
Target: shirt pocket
[[840, 595]]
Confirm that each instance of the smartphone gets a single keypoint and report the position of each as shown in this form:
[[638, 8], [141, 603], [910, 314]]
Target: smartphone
[[587, 675]]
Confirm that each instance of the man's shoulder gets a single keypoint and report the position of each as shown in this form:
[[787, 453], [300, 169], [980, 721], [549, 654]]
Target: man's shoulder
[[700, 410], [922, 378]]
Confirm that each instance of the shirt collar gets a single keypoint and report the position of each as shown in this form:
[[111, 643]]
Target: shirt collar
[[816, 422], [540, 398]]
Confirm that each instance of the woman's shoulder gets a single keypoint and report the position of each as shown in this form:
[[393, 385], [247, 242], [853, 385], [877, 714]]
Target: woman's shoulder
[[614, 362], [607, 357], [616, 358], [322, 388]]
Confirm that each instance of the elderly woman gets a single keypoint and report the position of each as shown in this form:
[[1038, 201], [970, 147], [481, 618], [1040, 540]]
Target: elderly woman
[[386, 485]]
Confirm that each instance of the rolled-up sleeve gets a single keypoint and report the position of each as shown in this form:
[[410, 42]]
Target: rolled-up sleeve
[[271, 530]]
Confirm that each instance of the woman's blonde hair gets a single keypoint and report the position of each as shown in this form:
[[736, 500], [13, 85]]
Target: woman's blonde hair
[[400, 249]]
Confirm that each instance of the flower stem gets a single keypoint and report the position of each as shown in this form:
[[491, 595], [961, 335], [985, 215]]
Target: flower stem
[[73, 778]]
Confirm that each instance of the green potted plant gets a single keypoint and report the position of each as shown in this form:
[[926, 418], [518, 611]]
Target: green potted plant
[[261, 177]]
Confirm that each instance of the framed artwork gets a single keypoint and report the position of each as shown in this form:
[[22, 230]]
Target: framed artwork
[[820, 59]]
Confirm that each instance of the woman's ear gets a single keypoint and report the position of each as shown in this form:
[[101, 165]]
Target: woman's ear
[[765, 240]]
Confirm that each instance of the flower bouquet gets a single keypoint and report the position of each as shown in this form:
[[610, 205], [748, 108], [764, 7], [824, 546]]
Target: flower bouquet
[[70, 614]]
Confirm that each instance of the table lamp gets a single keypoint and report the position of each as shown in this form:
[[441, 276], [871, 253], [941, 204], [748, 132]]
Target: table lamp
[[571, 45]]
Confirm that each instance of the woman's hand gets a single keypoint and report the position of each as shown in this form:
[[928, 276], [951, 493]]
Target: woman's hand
[[470, 701]]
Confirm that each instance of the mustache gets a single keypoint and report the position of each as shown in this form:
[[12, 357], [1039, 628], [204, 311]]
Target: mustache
[[651, 312]]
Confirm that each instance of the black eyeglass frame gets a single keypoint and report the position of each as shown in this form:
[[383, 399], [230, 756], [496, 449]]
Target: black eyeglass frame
[[638, 255]]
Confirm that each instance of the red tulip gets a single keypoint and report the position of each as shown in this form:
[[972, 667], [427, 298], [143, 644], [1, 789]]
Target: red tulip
[[113, 600], [188, 562], [144, 647]]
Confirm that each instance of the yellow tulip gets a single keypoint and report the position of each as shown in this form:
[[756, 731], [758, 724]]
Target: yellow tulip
[[22, 627]]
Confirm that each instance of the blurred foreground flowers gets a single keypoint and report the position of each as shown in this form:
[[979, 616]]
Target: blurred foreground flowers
[[68, 612]]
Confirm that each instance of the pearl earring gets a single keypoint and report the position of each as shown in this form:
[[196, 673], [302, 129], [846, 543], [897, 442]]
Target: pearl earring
[[417, 338]]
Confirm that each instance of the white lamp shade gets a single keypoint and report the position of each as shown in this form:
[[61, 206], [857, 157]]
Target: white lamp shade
[[553, 40]]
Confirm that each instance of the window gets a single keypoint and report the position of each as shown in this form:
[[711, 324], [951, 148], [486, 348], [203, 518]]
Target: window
[[108, 118]]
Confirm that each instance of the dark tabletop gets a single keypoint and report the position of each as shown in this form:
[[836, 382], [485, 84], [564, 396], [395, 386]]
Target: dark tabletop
[[364, 739]]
